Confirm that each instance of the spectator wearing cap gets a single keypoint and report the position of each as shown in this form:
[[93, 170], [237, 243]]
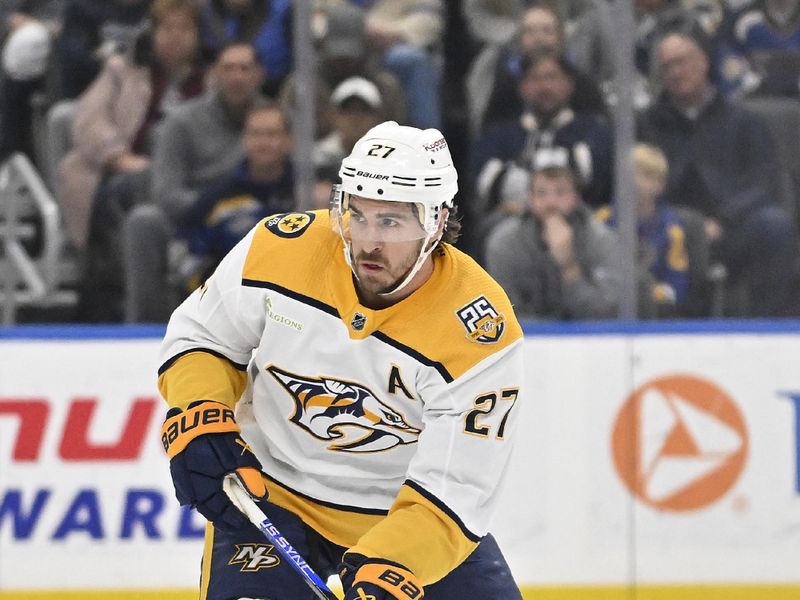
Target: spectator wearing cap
[[724, 164], [356, 105], [343, 53], [555, 260]]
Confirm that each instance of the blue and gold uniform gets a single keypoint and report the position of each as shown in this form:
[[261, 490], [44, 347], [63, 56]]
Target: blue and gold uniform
[[387, 432]]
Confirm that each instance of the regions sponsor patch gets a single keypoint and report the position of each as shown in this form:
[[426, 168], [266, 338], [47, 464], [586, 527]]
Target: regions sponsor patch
[[254, 557], [483, 323], [290, 225]]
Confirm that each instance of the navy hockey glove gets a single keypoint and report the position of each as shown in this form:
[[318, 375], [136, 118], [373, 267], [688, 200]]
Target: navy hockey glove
[[375, 579], [204, 444]]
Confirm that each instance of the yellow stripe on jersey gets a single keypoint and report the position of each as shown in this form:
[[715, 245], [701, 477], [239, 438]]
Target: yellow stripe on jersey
[[201, 376], [205, 569], [458, 317], [342, 527], [419, 535]]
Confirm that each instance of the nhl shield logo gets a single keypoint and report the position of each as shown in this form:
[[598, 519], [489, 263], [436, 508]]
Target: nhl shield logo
[[483, 323], [358, 321]]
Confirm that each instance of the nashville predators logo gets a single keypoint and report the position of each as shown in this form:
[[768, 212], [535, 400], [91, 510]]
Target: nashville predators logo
[[483, 323], [289, 225], [254, 557], [333, 409]]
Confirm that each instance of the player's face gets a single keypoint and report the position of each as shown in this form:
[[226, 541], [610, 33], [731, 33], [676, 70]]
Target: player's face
[[386, 239]]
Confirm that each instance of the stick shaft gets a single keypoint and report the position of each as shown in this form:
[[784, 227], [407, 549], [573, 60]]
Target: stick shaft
[[242, 500]]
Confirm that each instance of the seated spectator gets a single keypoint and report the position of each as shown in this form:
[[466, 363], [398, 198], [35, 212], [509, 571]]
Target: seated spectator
[[30, 27], [357, 105], [662, 253], [342, 54], [593, 37], [107, 171], [197, 143], [723, 163], [505, 152], [266, 24], [406, 34], [759, 50], [496, 73], [556, 260], [93, 31], [260, 186]]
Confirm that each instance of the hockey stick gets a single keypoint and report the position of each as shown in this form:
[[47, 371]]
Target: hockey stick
[[242, 500]]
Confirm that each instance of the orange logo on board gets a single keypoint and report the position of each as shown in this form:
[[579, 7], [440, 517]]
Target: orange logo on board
[[679, 443]]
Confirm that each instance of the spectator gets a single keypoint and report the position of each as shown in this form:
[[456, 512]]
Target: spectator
[[343, 53], [556, 260], [93, 31], [260, 186], [505, 152], [30, 27], [760, 50], [495, 76], [197, 143], [593, 36], [107, 171], [114, 118], [357, 106], [407, 35], [662, 255], [266, 24], [722, 163]]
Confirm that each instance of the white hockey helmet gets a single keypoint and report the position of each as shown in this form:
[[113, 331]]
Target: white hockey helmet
[[397, 163], [402, 164]]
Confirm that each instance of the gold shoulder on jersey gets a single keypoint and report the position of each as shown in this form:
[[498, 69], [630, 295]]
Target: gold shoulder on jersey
[[281, 239], [464, 317]]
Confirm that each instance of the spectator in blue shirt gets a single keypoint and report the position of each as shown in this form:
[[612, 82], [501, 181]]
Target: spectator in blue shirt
[[662, 255], [262, 185]]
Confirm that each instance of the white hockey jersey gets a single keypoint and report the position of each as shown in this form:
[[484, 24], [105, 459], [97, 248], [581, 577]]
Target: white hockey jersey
[[388, 431]]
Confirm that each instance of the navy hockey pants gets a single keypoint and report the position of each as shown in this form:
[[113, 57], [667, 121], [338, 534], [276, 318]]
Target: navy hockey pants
[[243, 565]]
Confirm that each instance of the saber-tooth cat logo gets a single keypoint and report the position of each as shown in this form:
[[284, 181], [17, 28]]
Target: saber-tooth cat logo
[[344, 411]]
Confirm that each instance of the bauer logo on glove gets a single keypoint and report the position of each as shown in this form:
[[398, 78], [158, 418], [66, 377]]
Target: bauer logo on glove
[[204, 444], [205, 417]]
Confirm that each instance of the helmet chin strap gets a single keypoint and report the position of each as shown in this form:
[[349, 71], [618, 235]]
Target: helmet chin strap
[[423, 255]]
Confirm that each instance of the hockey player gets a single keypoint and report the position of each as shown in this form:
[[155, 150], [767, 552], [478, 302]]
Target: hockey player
[[373, 371]]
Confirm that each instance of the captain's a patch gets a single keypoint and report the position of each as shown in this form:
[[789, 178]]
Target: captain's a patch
[[483, 323], [290, 225]]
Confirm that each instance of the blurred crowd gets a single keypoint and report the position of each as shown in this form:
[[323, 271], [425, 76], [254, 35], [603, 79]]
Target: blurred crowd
[[164, 130]]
